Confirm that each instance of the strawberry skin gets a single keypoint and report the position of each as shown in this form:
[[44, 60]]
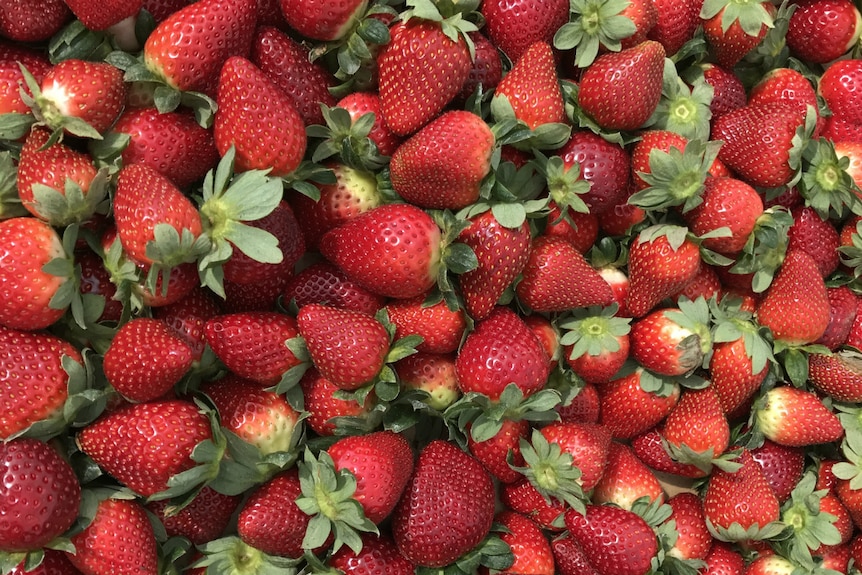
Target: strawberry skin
[[657, 270], [327, 21], [614, 540], [727, 202], [838, 375], [533, 89], [40, 495], [324, 283], [841, 88], [92, 91], [441, 328], [528, 543], [513, 26], [270, 520], [795, 418], [100, 14], [378, 555], [202, 520], [447, 507], [11, 77], [620, 90]]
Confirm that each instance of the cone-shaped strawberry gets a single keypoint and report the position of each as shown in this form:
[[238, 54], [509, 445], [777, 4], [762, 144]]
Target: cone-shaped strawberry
[[795, 417]]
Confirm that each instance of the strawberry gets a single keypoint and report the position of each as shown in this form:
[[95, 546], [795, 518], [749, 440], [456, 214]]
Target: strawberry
[[588, 447], [53, 563], [675, 24], [584, 407], [661, 261], [514, 26], [816, 236], [628, 409], [796, 306], [569, 557], [723, 559], [839, 87], [782, 466], [672, 341], [40, 492], [528, 543], [258, 416], [446, 509], [644, 14], [770, 564], [101, 15], [28, 21], [823, 30], [837, 375], [120, 539], [12, 57], [188, 48], [650, 447], [324, 405], [358, 104], [736, 373], [706, 284], [140, 375], [596, 343], [378, 555], [605, 165], [144, 445], [727, 203], [27, 290], [795, 418], [731, 31], [696, 430], [432, 373], [407, 101], [784, 85], [349, 348], [402, 269], [728, 91], [324, 283], [171, 142], [630, 100], [244, 125], [323, 22], [694, 541], [614, 540], [530, 92], [202, 520], [286, 63], [252, 344], [581, 229], [188, 316], [502, 451], [441, 328], [502, 253], [487, 68], [740, 504], [522, 497], [501, 350], [557, 277], [625, 479], [443, 164]]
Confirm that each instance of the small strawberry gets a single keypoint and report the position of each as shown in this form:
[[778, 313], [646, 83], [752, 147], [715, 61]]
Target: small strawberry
[[782, 466], [838, 375], [816, 236], [626, 479], [12, 58], [695, 540], [326, 22], [528, 543], [204, 519], [628, 101], [325, 405], [441, 328], [596, 343], [432, 373], [738, 364], [733, 30], [728, 91], [27, 21], [358, 104], [522, 497], [605, 165], [514, 26], [325, 284], [842, 314], [614, 540], [795, 418], [487, 69]]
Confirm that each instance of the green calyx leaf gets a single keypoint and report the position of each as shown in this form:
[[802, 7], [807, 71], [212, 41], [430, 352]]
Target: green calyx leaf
[[347, 139], [807, 526], [676, 177], [594, 24], [551, 471], [682, 109], [765, 248], [232, 555], [826, 184], [73, 204], [565, 184], [751, 15], [594, 331]]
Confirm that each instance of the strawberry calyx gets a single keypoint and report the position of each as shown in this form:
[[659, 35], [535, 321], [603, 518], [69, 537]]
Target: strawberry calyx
[[68, 294], [327, 497], [347, 139], [683, 109], [594, 25], [232, 555], [10, 201], [450, 15], [50, 112], [492, 553], [565, 184], [73, 204], [750, 15], [765, 248], [551, 471], [455, 256], [594, 331], [730, 323], [511, 193], [547, 136], [826, 184]]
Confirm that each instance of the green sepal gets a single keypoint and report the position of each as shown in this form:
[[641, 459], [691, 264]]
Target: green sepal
[[737, 533], [552, 471], [231, 554], [72, 205], [807, 527], [15, 125], [565, 184], [765, 248], [677, 177], [594, 330], [76, 41], [750, 15], [10, 201], [826, 185], [594, 24], [683, 109], [492, 552], [347, 139]]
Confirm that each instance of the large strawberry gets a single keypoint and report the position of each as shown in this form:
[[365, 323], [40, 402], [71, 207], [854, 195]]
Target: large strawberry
[[324, 283], [615, 541], [839, 86], [823, 30], [780, 413], [733, 30], [441, 328]]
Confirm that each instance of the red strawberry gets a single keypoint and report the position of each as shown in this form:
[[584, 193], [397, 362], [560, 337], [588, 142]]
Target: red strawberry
[[723, 559], [838, 375], [272, 119], [399, 269], [625, 479], [514, 26], [823, 30], [324, 404], [40, 493], [628, 101], [252, 344], [605, 165], [286, 63], [501, 450], [101, 15], [325, 284], [528, 543], [258, 416], [441, 328], [672, 341], [446, 509], [358, 104], [501, 350], [187, 317], [407, 102], [12, 57], [171, 142], [206, 518], [816, 236], [614, 540], [734, 375], [770, 564], [650, 447], [531, 89], [796, 305], [557, 277], [569, 557], [326, 22], [727, 203], [502, 253], [433, 373], [732, 31], [146, 359], [784, 85], [144, 445], [842, 314], [644, 14], [29, 21], [728, 91], [596, 344], [188, 48], [782, 466], [487, 68], [119, 539], [525, 499], [628, 409], [584, 408], [270, 521], [26, 289], [587, 444], [349, 348], [581, 229], [675, 24], [795, 418], [696, 430], [695, 540], [840, 87], [378, 555]]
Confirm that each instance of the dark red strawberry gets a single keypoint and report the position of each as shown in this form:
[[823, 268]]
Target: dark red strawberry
[[204, 519], [614, 540], [325, 284], [441, 328], [514, 26]]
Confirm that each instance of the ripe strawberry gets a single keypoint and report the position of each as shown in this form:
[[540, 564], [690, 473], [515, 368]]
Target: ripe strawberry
[[487, 68], [28, 21], [402, 269], [605, 165], [53, 563], [145, 359], [502, 253], [732, 31], [522, 497], [696, 430], [734, 375], [694, 540], [443, 164], [644, 14], [326, 22], [325, 284], [837, 375], [433, 373], [569, 557], [628, 101], [795, 418], [324, 404], [796, 306], [596, 343], [723, 559], [502, 449], [501, 350], [531, 89], [120, 539], [358, 104], [206, 518], [823, 30], [407, 102], [672, 341], [782, 466], [650, 447], [705, 284], [587, 444], [514, 26], [12, 78], [614, 540], [727, 203], [839, 86], [628, 409], [188, 316], [286, 63], [557, 277], [816, 236], [675, 24], [528, 543], [581, 229], [252, 344], [171, 142], [625, 479], [272, 119], [40, 493], [741, 497], [26, 288], [382, 463], [101, 15], [258, 416], [584, 407], [661, 261], [441, 328], [784, 85], [378, 555], [143, 445], [728, 91], [188, 48], [446, 509]]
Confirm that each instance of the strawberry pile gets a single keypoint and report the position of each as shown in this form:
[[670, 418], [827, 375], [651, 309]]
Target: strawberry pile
[[525, 287]]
